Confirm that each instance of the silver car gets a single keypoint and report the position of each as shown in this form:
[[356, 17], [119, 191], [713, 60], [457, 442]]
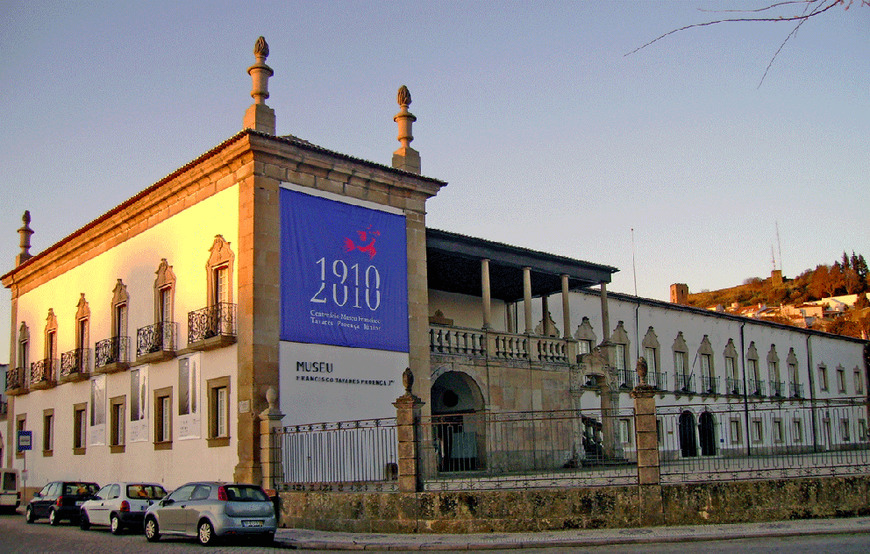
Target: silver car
[[209, 510], [120, 506]]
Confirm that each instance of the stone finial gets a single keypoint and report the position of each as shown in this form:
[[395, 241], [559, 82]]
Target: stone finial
[[259, 116], [408, 380], [405, 158], [24, 234], [271, 393], [642, 370]]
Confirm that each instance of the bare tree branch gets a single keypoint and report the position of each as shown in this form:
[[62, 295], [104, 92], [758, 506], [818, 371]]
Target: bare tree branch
[[821, 8]]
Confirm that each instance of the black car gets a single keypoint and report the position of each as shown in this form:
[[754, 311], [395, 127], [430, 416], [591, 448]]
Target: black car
[[59, 500]]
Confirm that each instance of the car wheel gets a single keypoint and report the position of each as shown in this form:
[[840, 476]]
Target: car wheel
[[206, 533], [115, 525], [84, 521], [152, 531], [53, 518], [28, 515]]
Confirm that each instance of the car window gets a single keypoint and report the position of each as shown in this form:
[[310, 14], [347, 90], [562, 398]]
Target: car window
[[115, 491], [46, 489], [201, 492], [9, 482], [147, 492], [245, 493], [81, 489], [182, 493], [104, 492]]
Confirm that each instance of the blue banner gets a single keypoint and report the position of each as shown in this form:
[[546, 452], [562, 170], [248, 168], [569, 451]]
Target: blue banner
[[344, 274]]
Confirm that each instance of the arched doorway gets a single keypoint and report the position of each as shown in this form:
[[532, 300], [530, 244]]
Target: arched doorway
[[458, 422], [688, 443], [707, 430]]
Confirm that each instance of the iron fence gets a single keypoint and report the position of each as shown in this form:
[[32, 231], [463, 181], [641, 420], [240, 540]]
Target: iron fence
[[700, 443], [341, 456], [559, 448]]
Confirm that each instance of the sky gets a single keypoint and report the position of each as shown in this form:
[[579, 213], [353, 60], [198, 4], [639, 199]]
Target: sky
[[671, 163]]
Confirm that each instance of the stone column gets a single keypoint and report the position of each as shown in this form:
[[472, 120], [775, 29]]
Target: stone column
[[566, 313], [605, 315], [646, 438], [527, 299], [486, 293], [407, 420], [545, 317], [270, 447]]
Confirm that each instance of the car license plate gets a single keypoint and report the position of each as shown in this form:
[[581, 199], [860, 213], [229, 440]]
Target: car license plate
[[79, 502], [252, 523]]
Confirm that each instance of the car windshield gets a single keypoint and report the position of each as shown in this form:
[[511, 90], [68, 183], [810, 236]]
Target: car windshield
[[146, 492], [245, 493], [80, 489]]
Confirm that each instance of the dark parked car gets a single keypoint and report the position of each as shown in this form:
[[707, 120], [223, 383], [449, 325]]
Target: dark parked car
[[59, 500], [209, 510]]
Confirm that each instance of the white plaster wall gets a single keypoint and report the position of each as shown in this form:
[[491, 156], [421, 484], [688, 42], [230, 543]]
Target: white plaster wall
[[184, 240], [467, 311]]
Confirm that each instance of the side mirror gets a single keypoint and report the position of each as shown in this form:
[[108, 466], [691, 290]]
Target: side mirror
[[37, 495], [167, 501]]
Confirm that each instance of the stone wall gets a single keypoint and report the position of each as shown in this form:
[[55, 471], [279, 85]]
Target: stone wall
[[589, 508]]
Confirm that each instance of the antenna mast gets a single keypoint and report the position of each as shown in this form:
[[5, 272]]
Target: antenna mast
[[779, 245]]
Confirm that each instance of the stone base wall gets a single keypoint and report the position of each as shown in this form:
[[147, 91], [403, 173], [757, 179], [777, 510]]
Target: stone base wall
[[591, 508]]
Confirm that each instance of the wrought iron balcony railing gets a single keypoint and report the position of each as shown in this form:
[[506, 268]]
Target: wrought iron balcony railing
[[43, 373], [16, 378], [776, 388], [658, 380], [796, 390], [75, 364], [684, 383], [733, 386], [626, 378], [218, 320], [159, 337], [115, 350], [756, 387], [709, 384]]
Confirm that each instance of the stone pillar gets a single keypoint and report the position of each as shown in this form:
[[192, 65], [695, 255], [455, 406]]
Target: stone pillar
[[270, 447], [545, 316], [407, 420], [259, 116], [486, 293], [566, 312], [646, 438], [527, 299], [405, 158], [605, 315], [24, 234]]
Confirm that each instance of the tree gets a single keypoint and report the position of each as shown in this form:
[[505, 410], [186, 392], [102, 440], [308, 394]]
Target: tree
[[797, 12]]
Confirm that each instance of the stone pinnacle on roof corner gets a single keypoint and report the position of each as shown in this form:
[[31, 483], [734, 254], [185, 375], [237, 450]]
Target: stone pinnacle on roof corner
[[24, 234], [405, 158], [259, 116]]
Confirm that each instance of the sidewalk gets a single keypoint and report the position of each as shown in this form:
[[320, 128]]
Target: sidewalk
[[304, 539]]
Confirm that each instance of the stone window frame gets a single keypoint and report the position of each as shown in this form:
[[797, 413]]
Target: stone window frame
[[48, 432], [859, 381], [823, 377], [730, 353], [120, 310], [735, 431], [117, 424], [20, 425], [80, 428], [585, 334], [212, 388], [221, 256], [705, 349], [841, 379], [681, 352], [162, 417], [797, 430], [619, 338], [845, 429], [165, 283], [757, 433], [773, 373], [777, 431], [752, 362], [50, 342], [791, 362], [83, 316], [24, 348], [651, 342], [625, 432]]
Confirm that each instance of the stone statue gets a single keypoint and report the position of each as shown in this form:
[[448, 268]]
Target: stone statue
[[407, 380], [642, 370]]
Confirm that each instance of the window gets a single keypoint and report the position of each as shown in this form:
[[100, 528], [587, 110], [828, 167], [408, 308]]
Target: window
[[120, 300], [841, 379], [757, 431], [731, 369], [823, 378], [859, 382], [219, 411], [50, 336], [620, 339], [659, 431], [24, 348], [163, 419], [620, 356], [164, 291], [82, 334], [649, 355], [220, 264], [625, 431], [736, 435], [117, 414], [80, 428], [47, 432], [844, 430], [797, 430], [584, 346], [777, 430], [862, 430], [20, 425], [773, 372], [681, 363]]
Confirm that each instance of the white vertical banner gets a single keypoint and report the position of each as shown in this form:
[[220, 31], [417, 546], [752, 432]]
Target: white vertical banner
[[139, 404], [97, 432], [189, 408]]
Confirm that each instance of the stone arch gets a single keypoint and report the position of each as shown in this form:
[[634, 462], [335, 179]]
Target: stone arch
[[688, 441], [458, 422]]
